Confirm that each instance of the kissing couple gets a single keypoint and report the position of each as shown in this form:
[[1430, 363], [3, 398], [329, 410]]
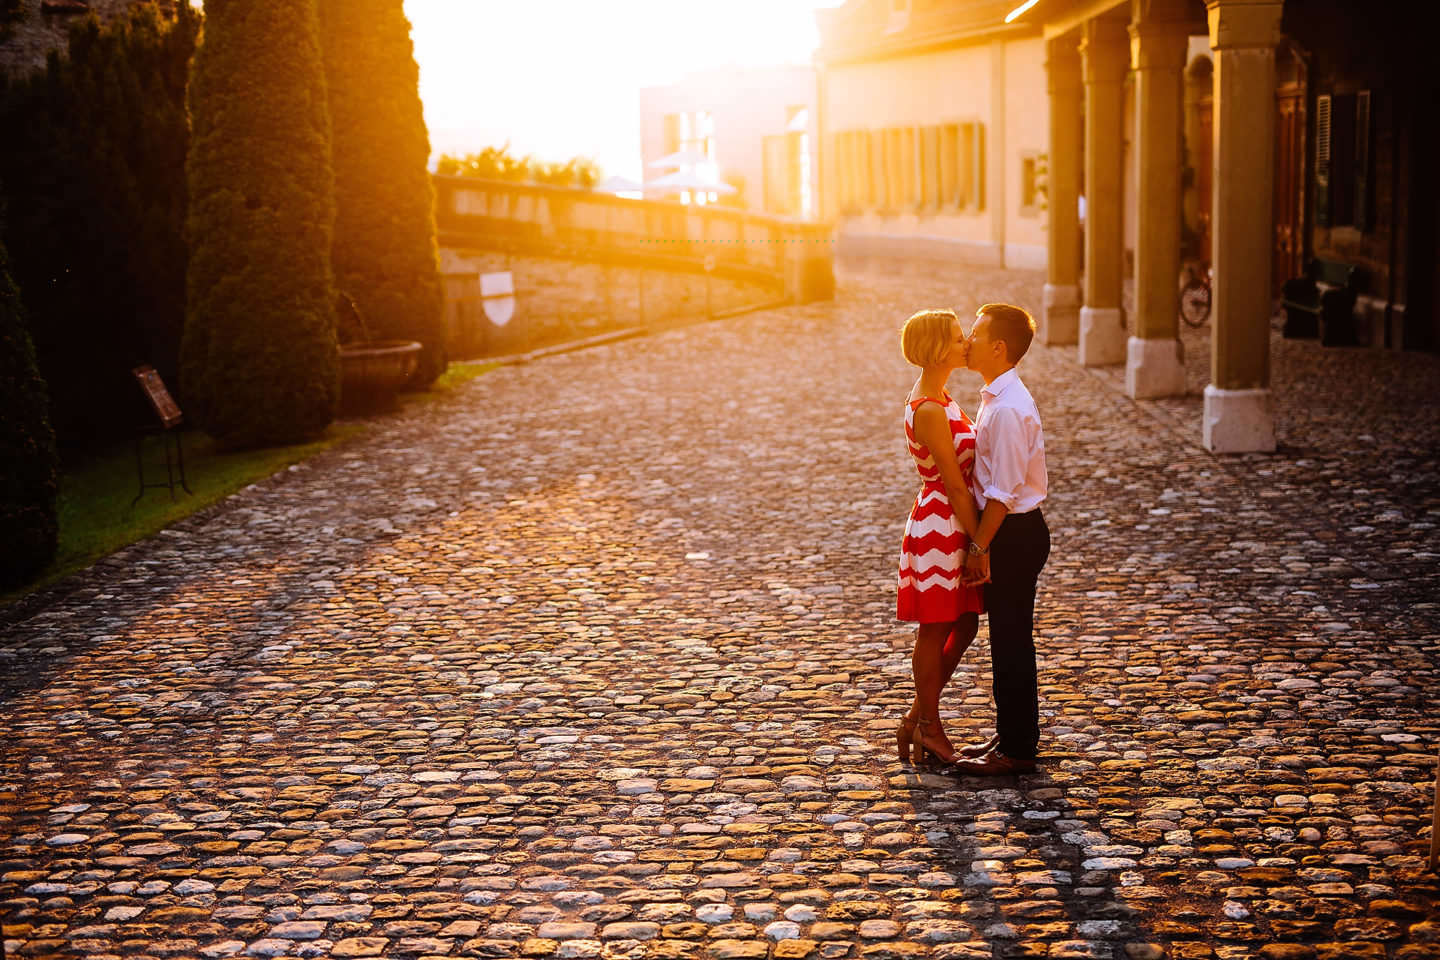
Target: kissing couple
[[976, 540]]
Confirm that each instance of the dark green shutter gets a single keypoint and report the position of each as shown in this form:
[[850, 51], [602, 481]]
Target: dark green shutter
[[1322, 160]]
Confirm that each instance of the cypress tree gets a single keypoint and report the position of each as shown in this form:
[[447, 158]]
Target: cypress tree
[[259, 359], [384, 254], [28, 485], [94, 171]]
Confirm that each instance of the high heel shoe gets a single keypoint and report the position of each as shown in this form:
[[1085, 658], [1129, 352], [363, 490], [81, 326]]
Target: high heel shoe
[[904, 738], [930, 745]]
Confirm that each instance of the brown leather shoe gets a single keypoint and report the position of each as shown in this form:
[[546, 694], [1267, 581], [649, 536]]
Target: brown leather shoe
[[979, 749], [992, 764]]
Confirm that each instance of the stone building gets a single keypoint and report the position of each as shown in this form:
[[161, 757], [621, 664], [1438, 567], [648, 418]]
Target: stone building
[[1259, 134], [933, 130], [30, 29], [754, 125]]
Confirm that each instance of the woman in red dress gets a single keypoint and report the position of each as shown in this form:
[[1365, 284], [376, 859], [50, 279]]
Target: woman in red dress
[[932, 592]]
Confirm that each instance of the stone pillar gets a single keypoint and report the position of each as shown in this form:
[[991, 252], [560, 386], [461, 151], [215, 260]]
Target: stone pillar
[[1158, 38], [1238, 410], [1060, 321], [809, 263], [1105, 51]]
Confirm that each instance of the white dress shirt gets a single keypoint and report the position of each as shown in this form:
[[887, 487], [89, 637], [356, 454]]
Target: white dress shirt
[[1009, 446]]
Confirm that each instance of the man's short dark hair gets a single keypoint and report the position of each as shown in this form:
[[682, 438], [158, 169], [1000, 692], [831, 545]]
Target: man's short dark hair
[[1012, 324]]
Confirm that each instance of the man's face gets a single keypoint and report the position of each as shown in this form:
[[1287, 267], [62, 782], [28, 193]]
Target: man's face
[[982, 347]]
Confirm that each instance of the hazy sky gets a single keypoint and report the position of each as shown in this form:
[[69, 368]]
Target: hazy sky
[[561, 78]]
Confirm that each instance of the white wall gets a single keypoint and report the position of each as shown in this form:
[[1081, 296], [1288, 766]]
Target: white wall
[[1027, 132]]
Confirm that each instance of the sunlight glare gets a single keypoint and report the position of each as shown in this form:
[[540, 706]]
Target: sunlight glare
[[562, 78]]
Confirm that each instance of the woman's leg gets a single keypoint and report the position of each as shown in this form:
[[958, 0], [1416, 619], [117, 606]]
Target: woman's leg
[[956, 644], [926, 663]]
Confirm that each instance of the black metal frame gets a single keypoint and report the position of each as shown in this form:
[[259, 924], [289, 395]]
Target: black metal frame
[[170, 465]]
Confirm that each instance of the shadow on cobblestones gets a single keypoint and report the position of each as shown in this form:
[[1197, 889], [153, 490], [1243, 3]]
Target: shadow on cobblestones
[[598, 658]]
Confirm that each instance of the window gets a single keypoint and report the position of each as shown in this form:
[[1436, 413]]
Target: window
[[844, 176], [1343, 196], [930, 168], [950, 165], [909, 162], [878, 146], [1031, 188], [864, 175], [776, 189], [970, 167], [694, 133], [797, 142], [967, 165], [672, 132], [894, 170]]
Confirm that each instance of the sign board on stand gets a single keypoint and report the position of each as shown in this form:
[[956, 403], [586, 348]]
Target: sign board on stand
[[168, 411], [160, 400]]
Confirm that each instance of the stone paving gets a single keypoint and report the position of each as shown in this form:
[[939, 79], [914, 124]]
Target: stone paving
[[597, 658]]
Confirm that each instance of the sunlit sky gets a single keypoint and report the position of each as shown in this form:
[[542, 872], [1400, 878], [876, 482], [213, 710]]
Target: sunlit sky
[[561, 78]]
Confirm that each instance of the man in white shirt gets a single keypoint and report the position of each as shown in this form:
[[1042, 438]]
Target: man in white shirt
[[1013, 542]]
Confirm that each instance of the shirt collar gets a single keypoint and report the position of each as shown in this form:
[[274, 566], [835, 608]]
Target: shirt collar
[[1000, 384]]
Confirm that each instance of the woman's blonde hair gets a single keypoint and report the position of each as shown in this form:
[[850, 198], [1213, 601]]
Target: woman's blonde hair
[[925, 338]]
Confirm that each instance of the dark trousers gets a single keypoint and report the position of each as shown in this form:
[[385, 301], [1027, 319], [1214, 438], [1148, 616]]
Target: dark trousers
[[1017, 554]]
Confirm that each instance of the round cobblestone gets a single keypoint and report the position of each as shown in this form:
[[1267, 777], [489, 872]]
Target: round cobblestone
[[597, 658]]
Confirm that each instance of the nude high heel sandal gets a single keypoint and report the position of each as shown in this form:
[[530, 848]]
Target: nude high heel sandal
[[905, 740], [926, 744]]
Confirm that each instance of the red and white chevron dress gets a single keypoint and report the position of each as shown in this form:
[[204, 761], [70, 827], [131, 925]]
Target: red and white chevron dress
[[933, 551]]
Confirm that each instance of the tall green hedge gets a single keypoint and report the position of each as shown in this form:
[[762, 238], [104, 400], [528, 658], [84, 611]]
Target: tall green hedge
[[384, 252], [260, 362], [28, 483], [93, 168]]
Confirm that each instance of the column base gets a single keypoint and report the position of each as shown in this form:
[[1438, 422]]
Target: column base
[[1154, 368], [1238, 421], [1060, 321], [1102, 336]]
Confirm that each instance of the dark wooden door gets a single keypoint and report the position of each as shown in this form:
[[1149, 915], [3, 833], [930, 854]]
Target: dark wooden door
[[1289, 251], [1288, 256]]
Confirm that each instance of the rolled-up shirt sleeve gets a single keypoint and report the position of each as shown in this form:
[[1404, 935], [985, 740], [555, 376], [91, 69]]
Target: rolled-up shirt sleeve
[[1010, 444]]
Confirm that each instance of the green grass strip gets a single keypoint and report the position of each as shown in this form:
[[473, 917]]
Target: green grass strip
[[96, 517]]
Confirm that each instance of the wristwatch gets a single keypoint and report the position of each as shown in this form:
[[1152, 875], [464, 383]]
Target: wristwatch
[[975, 550]]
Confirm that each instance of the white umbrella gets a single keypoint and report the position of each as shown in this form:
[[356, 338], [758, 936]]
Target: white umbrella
[[685, 180], [618, 184], [679, 158]]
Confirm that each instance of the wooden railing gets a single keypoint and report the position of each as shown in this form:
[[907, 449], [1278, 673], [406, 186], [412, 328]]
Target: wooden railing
[[796, 256]]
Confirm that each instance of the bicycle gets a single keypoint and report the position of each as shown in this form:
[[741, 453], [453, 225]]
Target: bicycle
[[1195, 294]]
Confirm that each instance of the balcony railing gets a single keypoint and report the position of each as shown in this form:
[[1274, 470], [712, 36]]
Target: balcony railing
[[568, 222]]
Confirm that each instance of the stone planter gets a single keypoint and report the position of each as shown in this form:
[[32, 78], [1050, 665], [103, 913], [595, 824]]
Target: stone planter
[[373, 371]]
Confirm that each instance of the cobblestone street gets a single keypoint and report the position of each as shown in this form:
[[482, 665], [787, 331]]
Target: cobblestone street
[[597, 657]]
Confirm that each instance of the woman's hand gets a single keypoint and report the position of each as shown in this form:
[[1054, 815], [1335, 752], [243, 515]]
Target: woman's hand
[[977, 569]]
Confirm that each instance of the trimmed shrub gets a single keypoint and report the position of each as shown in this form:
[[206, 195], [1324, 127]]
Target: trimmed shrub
[[384, 253], [259, 362], [28, 485], [94, 173]]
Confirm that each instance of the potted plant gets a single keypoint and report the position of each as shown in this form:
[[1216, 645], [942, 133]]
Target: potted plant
[[371, 371]]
